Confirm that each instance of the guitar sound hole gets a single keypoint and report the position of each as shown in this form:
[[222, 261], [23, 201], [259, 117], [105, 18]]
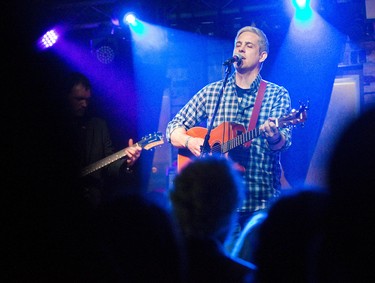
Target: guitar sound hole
[[216, 149]]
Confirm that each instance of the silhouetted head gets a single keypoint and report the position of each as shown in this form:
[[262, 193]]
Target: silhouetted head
[[205, 196]]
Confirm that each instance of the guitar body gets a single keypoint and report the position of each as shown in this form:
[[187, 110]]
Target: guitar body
[[228, 136], [224, 132]]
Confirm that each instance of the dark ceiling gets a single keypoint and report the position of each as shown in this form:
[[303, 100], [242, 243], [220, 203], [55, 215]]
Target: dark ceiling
[[219, 18]]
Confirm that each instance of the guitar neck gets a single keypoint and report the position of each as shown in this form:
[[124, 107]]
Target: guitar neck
[[240, 140], [293, 118], [103, 162], [147, 143]]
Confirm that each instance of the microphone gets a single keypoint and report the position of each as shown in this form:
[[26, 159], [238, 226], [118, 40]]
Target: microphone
[[235, 58]]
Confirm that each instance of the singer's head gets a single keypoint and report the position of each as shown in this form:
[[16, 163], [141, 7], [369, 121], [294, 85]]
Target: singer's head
[[263, 40], [252, 44]]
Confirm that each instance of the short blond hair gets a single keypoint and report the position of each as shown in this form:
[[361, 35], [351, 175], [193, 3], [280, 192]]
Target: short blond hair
[[263, 41]]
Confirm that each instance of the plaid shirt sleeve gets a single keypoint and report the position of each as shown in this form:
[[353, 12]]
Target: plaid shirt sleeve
[[196, 110]]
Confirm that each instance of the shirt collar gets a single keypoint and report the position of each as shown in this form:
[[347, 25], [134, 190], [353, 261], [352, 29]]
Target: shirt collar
[[254, 85]]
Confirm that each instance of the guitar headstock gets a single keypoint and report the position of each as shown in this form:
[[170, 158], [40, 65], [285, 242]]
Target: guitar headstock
[[151, 140], [295, 117]]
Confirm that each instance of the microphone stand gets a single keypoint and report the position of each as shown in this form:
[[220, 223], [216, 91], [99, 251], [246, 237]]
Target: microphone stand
[[205, 148]]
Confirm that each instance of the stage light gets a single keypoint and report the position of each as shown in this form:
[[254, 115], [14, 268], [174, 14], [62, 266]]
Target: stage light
[[301, 4], [105, 50], [48, 39], [124, 15], [105, 54], [130, 19], [303, 10]]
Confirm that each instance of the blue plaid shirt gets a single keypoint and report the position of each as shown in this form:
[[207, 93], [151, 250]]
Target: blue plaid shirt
[[262, 165]]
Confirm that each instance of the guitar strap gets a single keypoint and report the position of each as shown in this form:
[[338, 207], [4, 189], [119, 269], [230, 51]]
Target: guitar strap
[[256, 110]]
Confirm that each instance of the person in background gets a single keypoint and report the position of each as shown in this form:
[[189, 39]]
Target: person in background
[[260, 161], [45, 224], [93, 141], [204, 200]]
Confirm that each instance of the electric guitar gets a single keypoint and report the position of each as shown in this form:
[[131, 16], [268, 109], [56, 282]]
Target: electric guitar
[[146, 142], [229, 135]]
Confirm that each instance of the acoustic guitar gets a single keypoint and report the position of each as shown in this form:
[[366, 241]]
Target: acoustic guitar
[[229, 135]]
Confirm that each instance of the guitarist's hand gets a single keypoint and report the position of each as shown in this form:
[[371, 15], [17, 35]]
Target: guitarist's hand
[[271, 132], [195, 145], [180, 139], [133, 152]]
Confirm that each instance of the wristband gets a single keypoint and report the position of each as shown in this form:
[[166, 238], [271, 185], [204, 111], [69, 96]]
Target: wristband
[[276, 141], [187, 142]]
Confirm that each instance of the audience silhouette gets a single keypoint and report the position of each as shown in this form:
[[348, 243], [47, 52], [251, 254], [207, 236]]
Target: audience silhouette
[[139, 242], [322, 234], [347, 252], [289, 236], [204, 200]]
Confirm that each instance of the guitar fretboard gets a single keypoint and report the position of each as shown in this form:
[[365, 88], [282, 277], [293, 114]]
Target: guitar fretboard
[[239, 140], [103, 162]]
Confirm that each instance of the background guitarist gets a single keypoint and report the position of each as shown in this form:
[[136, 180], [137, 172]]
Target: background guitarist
[[93, 142], [261, 160]]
